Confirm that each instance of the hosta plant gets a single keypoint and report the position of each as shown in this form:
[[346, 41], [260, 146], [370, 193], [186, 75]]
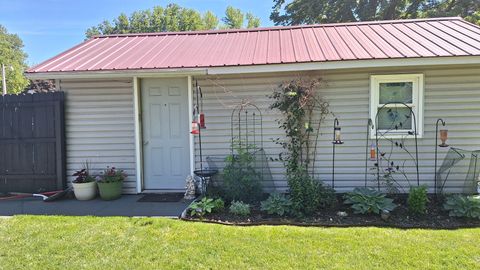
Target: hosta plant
[[277, 204], [202, 207], [366, 201], [463, 206]]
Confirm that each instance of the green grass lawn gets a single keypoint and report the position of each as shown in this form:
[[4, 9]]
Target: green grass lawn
[[30, 242]]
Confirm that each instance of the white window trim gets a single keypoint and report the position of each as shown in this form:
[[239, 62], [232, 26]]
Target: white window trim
[[417, 96]]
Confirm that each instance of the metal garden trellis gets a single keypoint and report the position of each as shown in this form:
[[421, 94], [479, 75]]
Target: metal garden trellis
[[246, 121], [246, 130], [382, 134]]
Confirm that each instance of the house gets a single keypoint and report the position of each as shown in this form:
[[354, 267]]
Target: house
[[129, 97]]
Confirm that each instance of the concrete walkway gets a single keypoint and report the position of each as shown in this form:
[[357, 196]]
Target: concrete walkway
[[127, 205]]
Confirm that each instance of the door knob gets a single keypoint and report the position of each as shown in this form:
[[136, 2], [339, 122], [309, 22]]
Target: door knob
[[145, 142]]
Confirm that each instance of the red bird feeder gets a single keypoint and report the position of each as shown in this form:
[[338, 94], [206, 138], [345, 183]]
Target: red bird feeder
[[195, 128], [372, 152], [202, 120], [201, 116]]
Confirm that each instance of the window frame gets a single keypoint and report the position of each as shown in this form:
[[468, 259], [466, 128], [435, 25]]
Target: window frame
[[416, 105]]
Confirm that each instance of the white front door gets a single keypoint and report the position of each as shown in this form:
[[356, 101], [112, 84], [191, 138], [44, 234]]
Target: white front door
[[166, 151]]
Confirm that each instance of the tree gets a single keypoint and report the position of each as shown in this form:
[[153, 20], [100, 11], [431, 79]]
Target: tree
[[233, 18], [252, 21], [467, 9], [171, 18], [210, 20], [12, 55], [40, 86], [326, 11]]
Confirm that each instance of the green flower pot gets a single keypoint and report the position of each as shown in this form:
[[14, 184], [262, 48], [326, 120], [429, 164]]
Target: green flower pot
[[110, 191]]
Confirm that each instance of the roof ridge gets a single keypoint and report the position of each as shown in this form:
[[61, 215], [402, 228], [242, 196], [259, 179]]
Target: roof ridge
[[271, 28]]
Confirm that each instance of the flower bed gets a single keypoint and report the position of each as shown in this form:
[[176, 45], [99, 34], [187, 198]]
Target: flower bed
[[436, 217]]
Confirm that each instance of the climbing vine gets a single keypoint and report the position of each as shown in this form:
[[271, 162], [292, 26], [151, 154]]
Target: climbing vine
[[303, 112]]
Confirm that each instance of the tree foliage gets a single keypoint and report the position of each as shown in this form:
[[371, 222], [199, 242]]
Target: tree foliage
[[233, 18], [329, 11], [13, 57], [172, 18], [40, 86], [210, 20], [252, 21]]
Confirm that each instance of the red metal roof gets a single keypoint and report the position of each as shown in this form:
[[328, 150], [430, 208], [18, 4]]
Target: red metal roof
[[274, 45]]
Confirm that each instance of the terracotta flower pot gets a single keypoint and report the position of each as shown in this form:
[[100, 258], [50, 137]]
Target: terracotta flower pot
[[85, 191], [110, 191]]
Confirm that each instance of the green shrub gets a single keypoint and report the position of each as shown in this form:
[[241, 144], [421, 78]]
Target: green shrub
[[239, 208], [463, 206], [277, 204], [366, 200], [417, 200], [204, 206], [309, 195], [326, 196], [240, 179], [218, 205]]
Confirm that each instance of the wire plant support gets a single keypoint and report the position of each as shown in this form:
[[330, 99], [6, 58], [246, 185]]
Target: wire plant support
[[395, 129]]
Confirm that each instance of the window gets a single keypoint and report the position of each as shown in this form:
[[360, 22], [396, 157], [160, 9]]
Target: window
[[389, 90]]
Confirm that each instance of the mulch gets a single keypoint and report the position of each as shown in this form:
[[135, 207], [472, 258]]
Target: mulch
[[435, 218]]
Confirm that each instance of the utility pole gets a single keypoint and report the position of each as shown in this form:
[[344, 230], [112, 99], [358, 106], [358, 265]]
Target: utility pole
[[4, 80]]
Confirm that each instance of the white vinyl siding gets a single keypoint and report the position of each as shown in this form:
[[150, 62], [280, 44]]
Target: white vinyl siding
[[100, 119], [100, 126], [452, 93]]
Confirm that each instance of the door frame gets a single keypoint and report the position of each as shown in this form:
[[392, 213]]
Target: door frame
[[138, 118]]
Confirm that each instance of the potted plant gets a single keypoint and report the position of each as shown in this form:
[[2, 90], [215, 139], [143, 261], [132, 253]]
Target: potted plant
[[84, 185], [110, 184]]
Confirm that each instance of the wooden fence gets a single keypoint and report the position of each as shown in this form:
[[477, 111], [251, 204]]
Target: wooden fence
[[32, 142]]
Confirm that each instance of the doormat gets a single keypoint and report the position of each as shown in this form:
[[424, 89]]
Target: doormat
[[163, 197]]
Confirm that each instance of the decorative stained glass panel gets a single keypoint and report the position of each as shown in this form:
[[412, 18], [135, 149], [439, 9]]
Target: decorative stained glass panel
[[396, 92], [394, 119]]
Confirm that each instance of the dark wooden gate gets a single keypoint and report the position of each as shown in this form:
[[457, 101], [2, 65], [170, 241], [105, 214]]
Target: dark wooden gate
[[32, 142]]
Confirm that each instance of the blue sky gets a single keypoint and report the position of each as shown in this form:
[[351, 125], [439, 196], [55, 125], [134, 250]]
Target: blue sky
[[48, 27]]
